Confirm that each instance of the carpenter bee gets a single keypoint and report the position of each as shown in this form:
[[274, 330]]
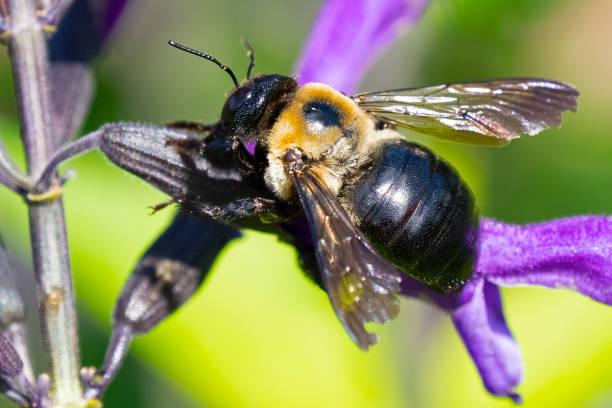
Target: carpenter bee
[[379, 208]]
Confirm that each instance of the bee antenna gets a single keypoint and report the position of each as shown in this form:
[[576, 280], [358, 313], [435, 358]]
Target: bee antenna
[[251, 56], [207, 57]]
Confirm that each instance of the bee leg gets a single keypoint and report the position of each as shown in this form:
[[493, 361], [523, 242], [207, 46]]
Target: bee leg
[[243, 159], [265, 209], [218, 147], [158, 207]]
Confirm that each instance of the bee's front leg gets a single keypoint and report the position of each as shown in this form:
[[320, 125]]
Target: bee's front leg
[[243, 158], [211, 134]]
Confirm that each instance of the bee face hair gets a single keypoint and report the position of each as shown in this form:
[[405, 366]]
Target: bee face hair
[[328, 127]]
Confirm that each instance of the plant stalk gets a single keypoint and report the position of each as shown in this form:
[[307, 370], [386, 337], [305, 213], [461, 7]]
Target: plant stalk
[[28, 51], [10, 169]]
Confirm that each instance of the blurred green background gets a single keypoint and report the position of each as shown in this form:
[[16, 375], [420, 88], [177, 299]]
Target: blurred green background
[[259, 334]]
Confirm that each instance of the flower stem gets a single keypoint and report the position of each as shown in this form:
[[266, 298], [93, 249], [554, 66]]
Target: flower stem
[[28, 51], [11, 170], [8, 182], [79, 146]]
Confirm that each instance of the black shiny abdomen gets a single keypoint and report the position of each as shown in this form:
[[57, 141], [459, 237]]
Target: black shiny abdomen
[[418, 213]]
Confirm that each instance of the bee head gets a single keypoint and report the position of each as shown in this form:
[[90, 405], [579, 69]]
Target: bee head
[[253, 107]]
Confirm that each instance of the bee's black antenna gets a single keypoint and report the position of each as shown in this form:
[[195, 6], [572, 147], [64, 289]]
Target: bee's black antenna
[[250, 54], [205, 56]]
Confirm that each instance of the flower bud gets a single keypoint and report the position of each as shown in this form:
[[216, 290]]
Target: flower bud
[[11, 305], [168, 274], [151, 153], [10, 363], [171, 271], [178, 164]]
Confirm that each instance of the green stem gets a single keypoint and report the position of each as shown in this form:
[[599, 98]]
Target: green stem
[[28, 51]]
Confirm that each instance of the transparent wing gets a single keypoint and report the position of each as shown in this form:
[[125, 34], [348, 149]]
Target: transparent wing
[[487, 112], [361, 284]]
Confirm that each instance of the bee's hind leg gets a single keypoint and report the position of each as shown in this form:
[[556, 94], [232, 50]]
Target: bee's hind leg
[[265, 209]]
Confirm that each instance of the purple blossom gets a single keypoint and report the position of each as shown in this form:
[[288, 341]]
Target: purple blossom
[[349, 35], [573, 253]]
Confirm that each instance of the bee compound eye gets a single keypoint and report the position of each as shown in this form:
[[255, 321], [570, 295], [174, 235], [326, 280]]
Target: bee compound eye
[[234, 102]]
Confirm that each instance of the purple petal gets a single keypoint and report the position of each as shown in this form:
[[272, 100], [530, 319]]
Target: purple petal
[[481, 324], [112, 12], [348, 35], [84, 30], [477, 313], [574, 253]]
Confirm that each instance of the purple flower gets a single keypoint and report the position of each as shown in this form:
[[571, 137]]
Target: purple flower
[[573, 253], [349, 35]]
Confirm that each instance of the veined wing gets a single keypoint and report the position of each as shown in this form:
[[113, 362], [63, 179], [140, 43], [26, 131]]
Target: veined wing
[[361, 284], [488, 112]]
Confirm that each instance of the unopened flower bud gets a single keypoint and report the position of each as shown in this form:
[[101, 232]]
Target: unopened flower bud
[[171, 271], [11, 304], [155, 154], [178, 164], [10, 363]]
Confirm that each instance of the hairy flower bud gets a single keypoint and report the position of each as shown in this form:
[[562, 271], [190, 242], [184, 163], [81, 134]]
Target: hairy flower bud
[[11, 304], [149, 152], [179, 164], [13, 384], [10, 363], [170, 272]]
